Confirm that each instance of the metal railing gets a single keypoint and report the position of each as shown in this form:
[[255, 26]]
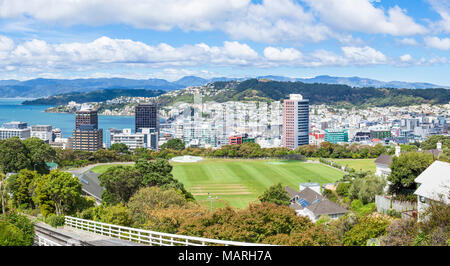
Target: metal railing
[[43, 241], [146, 236]]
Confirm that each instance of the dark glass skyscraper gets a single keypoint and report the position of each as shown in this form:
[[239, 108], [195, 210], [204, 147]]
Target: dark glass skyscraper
[[146, 116]]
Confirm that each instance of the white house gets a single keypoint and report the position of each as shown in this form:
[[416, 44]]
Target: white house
[[383, 163], [433, 185], [309, 203]]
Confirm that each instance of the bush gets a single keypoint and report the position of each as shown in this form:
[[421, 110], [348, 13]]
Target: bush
[[151, 198], [10, 235], [400, 233], [117, 214], [367, 228], [275, 194], [342, 189], [356, 205], [394, 213], [55, 220], [23, 224], [329, 194]]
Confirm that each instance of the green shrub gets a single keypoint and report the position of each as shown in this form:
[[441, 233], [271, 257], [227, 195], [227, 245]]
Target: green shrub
[[10, 235], [367, 209], [394, 213], [23, 224], [55, 220], [367, 228], [117, 214], [356, 205], [342, 189], [329, 194]]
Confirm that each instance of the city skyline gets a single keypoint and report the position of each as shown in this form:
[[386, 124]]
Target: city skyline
[[385, 40]]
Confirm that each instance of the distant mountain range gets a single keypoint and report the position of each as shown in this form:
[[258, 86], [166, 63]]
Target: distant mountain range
[[47, 87]]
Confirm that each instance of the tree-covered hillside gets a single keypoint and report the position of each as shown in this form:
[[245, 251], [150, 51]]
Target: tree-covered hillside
[[93, 96], [327, 93]]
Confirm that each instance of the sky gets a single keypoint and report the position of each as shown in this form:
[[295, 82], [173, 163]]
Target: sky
[[381, 39]]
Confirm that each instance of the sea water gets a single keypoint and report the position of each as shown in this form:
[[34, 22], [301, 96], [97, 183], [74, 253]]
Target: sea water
[[11, 109]]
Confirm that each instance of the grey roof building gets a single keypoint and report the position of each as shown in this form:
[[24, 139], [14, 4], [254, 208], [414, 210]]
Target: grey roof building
[[308, 202]]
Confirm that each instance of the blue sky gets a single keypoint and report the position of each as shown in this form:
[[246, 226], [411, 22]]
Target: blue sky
[[381, 39]]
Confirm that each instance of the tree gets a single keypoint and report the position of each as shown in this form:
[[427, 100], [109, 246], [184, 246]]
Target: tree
[[40, 153], [366, 188], [430, 142], [158, 173], [342, 189], [14, 155], [255, 224], [3, 192], [21, 188], [151, 198], [59, 188], [120, 183], [116, 214], [174, 144], [275, 194], [119, 148], [405, 168]]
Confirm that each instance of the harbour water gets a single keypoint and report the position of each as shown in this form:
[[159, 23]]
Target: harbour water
[[13, 110]]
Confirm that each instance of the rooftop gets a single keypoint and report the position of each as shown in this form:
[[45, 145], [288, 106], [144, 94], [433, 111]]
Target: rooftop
[[384, 159], [435, 181]]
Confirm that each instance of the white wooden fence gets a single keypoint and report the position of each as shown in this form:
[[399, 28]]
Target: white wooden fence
[[43, 241], [146, 236], [385, 203]]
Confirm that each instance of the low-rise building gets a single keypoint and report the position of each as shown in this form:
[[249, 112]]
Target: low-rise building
[[433, 185], [43, 132], [146, 138], [62, 143], [336, 135], [308, 202], [15, 129]]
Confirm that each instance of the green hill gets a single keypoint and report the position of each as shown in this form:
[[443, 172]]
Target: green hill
[[327, 93], [93, 96]]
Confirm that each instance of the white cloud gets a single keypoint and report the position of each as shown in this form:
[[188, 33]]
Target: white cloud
[[270, 21], [364, 55], [443, 8], [436, 42], [273, 21], [135, 59], [408, 41], [282, 54], [106, 52], [406, 58], [153, 14], [363, 16]]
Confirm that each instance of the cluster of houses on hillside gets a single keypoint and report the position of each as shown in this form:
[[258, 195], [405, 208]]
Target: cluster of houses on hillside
[[433, 184]]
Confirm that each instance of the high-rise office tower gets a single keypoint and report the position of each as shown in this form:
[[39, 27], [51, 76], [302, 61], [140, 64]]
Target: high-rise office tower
[[295, 121], [146, 116], [86, 136], [86, 117]]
